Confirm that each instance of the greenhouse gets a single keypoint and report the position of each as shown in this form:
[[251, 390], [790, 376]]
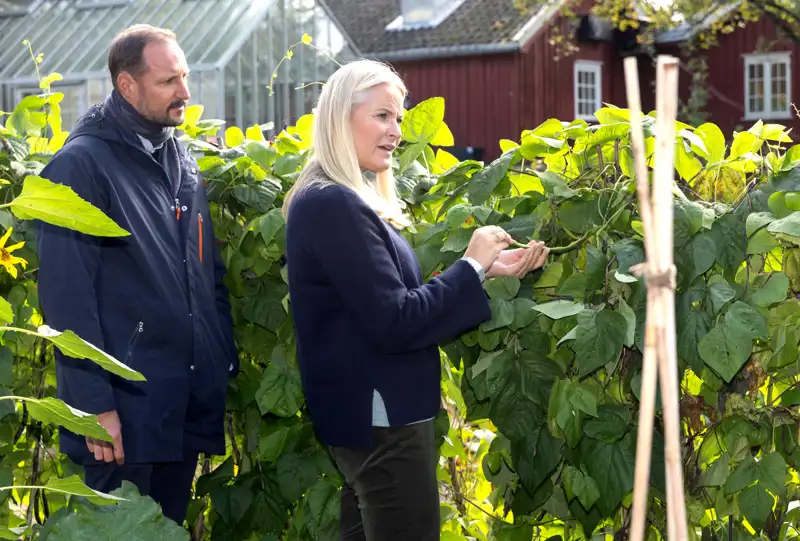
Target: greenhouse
[[233, 47]]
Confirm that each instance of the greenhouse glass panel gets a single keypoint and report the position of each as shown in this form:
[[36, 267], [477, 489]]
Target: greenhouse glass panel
[[249, 98]]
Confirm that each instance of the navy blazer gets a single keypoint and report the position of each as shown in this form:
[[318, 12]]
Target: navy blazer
[[364, 320]]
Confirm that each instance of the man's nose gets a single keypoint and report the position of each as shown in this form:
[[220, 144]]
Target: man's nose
[[183, 91]]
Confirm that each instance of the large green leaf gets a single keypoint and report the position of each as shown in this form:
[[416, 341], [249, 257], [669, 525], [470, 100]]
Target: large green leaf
[[58, 204], [74, 486], [56, 412], [486, 180], [136, 518], [74, 346]]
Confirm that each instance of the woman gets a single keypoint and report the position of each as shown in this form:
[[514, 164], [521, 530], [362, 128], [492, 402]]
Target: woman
[[367, 328]]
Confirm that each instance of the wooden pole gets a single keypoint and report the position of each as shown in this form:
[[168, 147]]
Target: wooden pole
[[647, 393], [660, 344], [663, 267]]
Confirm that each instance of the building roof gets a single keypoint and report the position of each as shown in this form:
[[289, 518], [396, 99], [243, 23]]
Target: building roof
[[74, 35], [474, 26]]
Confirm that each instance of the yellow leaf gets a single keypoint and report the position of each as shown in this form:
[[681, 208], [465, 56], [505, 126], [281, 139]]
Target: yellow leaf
[[57, 142], [445, 159], [443, 137], [507, 144], [526, 183], [193, 114], [254, 133], [234, 137]]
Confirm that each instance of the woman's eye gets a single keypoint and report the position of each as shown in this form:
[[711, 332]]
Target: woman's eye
[[382, 116]]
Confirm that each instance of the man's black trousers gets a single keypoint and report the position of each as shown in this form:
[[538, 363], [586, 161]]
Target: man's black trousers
[[168, 483], [390, 491]]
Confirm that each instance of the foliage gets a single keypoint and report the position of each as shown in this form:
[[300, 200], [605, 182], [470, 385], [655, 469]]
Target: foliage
[[540, 404]]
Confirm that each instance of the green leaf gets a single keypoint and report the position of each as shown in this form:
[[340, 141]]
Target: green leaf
[[136, 518], [611, 466], [725, 349], [756, 505], [772, 472], [599, 340], [581, 486], [486, 180], [262, 153], [612, 423], [559, 309], [502, 315], [790, 225], [59, 205], [423, 121], [503, 287], [717, 473], [56, 412], [768, 289], [757, 220], [745, 474], [74, 486], [555, 185], [747, 320], [281, 391], [74, 346], [6, 312], [714, 141]]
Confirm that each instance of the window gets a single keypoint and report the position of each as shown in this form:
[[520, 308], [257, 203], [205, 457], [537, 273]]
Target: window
[[767, 86], [416, 14], [588, 88]]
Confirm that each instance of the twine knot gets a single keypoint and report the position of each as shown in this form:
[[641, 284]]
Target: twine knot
[[664, 278]]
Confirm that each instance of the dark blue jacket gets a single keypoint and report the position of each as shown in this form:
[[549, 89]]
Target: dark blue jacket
[[154, 300], [364, 320]]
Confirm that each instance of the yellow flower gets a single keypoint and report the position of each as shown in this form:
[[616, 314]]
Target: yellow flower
[[6, 259], [306, 39]]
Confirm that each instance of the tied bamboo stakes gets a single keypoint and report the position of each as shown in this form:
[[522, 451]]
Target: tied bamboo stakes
[[660, 353]]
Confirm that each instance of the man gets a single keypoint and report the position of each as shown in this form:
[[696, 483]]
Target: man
[[155, 299]]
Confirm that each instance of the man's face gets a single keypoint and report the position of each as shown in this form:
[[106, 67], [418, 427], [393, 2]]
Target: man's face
[[160, 93]]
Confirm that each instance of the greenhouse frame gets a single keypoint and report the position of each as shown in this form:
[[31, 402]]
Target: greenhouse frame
[[233, 47]]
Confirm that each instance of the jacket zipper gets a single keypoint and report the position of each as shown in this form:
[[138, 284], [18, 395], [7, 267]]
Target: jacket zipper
[[134, 338], [177, 208], [200, 233]]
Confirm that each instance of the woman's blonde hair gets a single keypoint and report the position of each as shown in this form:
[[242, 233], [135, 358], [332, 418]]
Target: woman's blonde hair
[[334, 151]]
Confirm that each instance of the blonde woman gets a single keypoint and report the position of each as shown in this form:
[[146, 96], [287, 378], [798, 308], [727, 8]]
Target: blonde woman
[[367, 327]]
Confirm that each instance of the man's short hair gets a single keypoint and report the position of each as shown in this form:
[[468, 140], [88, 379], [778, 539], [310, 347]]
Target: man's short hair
[[127, 48]]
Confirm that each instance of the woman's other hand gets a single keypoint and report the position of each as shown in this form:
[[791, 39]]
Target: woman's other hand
[[487, 244], [519, 262]]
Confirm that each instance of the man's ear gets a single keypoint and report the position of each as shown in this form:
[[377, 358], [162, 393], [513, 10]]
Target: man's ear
[[126, 84]]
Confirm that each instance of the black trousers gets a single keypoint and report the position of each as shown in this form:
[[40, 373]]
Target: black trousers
[[168, 483], [390, 491]]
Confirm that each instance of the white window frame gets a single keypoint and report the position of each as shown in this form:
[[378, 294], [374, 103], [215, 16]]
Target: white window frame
[[588, 66], [767, 60]]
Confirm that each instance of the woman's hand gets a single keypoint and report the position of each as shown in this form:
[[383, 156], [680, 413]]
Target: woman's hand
[[487, 244], [519, 262]]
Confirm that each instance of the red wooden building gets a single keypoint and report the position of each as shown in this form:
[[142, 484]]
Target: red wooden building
[[751, 74], [493, 63], [499, 73]]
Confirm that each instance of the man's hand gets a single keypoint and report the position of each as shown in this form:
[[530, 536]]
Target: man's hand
[[519, 262], [103, 450]]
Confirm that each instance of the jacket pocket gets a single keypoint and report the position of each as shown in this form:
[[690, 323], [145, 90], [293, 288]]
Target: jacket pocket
[[137, 332]]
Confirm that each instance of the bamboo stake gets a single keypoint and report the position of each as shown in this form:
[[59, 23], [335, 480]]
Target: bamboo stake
[[660, 346], [662, 266], [647, 394]]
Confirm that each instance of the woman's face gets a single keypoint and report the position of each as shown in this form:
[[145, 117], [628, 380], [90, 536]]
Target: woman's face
[[375, 124]]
